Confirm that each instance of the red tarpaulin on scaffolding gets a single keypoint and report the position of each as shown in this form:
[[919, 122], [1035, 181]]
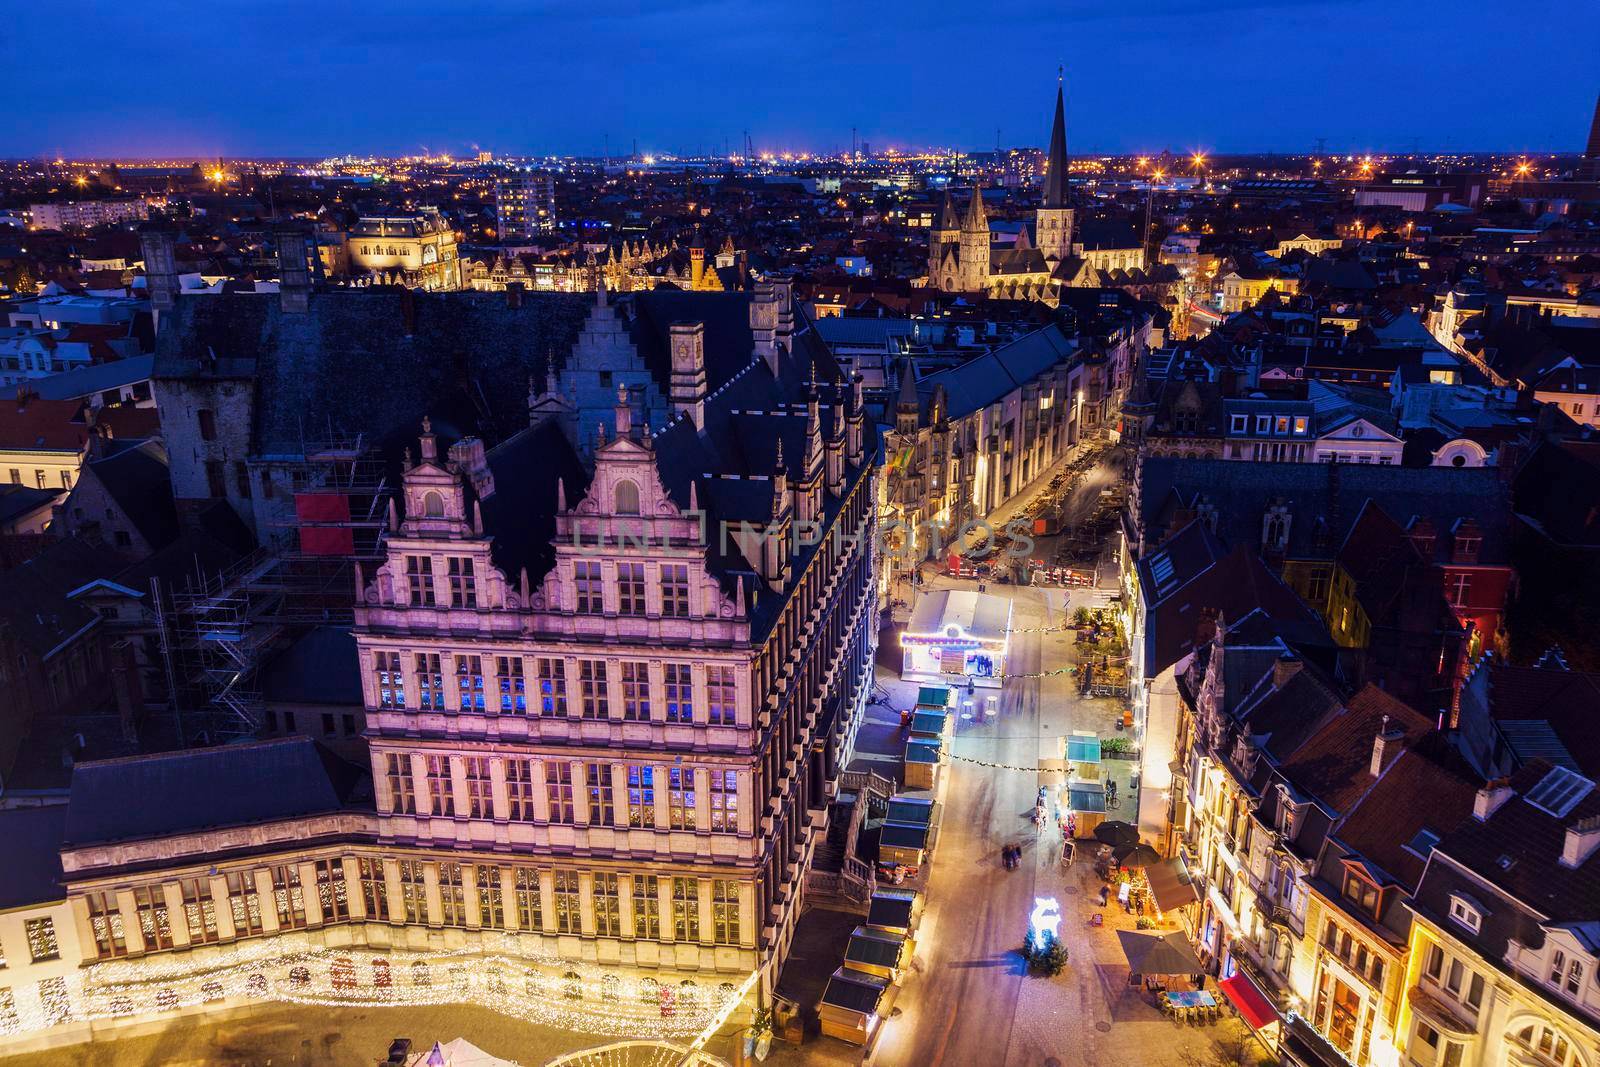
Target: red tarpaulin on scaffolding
[[316, 539], [1253, 1007]]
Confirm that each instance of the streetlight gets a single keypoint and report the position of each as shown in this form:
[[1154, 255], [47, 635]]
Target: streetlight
[[1149, 202]]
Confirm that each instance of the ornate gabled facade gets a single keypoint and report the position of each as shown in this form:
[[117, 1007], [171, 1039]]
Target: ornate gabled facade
[[607, 702], [651, 719]]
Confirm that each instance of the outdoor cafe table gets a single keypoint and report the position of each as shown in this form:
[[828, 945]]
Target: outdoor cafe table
[[1191, 998]]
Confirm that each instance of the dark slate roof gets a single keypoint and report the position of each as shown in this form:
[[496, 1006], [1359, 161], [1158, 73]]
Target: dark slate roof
[[1564, 702], [728, 340], [31, 873], [95, 378], [1413, 794], [321, 667], [1324, 500], [985, 379], [1517, 852], [33, 595], [19, 500], [521, 511], [374, 360], [208, 788], [1104, 234], [1204, 583], [135, 475], [1334, 764]]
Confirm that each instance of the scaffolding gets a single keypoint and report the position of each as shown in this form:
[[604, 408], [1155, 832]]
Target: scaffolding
[[219, 628]]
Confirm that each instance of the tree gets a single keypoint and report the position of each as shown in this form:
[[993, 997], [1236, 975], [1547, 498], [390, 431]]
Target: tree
[[1045, 954]]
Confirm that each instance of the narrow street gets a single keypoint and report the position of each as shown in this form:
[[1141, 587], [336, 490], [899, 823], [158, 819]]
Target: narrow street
[[968, 999]]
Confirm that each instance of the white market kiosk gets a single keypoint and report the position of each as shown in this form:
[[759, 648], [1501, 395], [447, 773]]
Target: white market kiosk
[[957, 636]]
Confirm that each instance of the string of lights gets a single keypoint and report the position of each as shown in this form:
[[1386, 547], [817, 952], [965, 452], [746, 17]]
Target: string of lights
[[571, 995]]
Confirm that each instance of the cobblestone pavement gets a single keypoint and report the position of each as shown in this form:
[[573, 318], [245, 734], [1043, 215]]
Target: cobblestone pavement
[[968, 1000]]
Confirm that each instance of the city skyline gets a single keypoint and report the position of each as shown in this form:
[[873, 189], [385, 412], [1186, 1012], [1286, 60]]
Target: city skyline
[[692, 77]]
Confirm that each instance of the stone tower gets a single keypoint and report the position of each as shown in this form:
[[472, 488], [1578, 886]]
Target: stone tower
[[974, 273], [1054, 219], [945, 232]]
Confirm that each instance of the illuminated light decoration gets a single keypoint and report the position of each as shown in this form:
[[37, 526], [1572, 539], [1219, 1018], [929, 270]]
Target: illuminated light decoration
[[1045, 921], [544, 990]]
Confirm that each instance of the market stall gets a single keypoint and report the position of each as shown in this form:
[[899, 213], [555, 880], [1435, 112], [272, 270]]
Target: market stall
[[851, 1005], [958, 637], [922, 761]]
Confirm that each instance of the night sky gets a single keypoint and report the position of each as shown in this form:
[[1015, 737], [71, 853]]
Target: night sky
[[291, 77]]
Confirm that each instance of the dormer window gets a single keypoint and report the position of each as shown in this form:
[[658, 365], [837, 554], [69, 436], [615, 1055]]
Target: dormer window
[[433, 505], [1466, 538], [1465, 914], [1361, 893], [1566, 973]]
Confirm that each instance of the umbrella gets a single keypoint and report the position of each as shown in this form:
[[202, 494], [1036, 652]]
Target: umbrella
[[1117, 833], [1158, 953], [1137, 855]]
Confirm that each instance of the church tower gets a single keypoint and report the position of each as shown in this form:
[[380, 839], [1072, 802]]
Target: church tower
[[974, 273], [945, 232], [1054, 219]]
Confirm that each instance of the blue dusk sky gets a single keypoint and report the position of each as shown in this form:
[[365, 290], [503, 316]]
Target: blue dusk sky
[[292, 77]]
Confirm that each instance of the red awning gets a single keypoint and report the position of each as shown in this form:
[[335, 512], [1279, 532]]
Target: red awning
[[1253, 1007]]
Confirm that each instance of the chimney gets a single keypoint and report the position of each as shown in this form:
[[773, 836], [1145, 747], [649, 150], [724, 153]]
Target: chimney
[[624, 412], [688, 387], [1384, 746], [467, 456], [1285, 667], [856, 445], [294, 268], [764, 324], [159, 245], [513, 295], [1583, 837], [835, 457], [1490, 798]]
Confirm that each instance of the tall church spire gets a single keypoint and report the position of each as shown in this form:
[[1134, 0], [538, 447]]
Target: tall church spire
[[976, 218], [1055, 179], [948, 222]]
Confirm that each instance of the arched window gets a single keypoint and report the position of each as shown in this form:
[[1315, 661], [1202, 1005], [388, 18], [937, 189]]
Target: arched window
[[420, 977], [1546, 1044], [610, 988], [381, 978], [688, 996], [627, 498], [256, 985], [460, 982], [572, 986], [166, 1000], [211, 991], [433, 505], [650, 992], [343, 973], [299, 977]]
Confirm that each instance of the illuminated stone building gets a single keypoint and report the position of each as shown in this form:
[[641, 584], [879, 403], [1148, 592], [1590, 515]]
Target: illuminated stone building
[[1503, 958], [1059, 254], [415, 249], [607, 700]]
